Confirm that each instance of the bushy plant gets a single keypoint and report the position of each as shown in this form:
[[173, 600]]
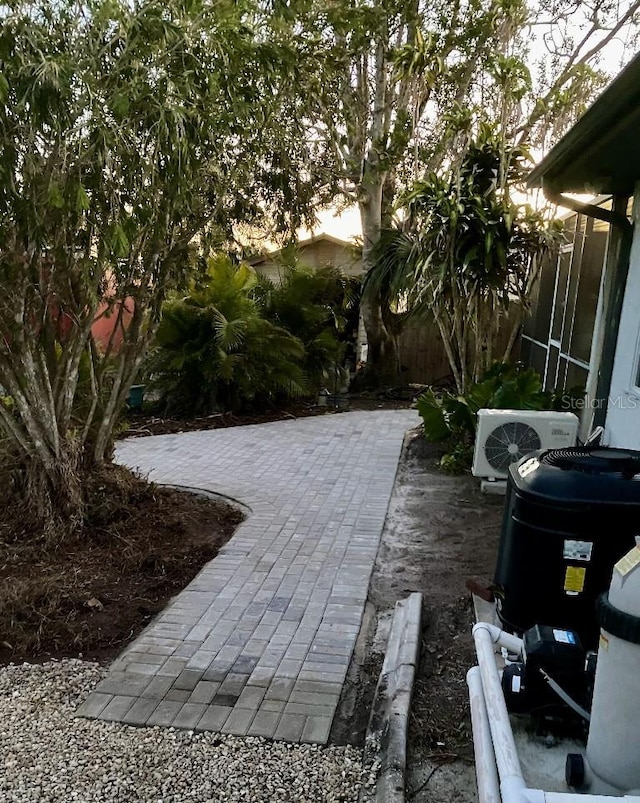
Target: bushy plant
[[215, 351], [451, 418], [320, 308], [130, 130]]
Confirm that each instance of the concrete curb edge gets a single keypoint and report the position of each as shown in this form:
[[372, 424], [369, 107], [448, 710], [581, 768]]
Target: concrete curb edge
[[218, 497], [386, 739]]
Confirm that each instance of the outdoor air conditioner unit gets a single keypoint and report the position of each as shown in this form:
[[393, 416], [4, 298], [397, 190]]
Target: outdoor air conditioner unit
[[505, 436]]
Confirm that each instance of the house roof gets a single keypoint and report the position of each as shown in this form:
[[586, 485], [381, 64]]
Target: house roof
[[601, 153], [316, 238]]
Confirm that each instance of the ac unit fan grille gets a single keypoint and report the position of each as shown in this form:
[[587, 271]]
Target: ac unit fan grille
[[510, 442]]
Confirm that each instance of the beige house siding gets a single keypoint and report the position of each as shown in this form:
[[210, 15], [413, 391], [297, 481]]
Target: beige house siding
[[314, 253]]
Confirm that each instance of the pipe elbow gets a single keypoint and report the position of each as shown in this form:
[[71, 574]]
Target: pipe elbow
[[511, 643]]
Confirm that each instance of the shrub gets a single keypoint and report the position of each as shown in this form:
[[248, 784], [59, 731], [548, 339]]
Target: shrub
[[215, 351], [319, 307]]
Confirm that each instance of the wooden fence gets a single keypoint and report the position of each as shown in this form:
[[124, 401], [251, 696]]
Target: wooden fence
[[423, 356]]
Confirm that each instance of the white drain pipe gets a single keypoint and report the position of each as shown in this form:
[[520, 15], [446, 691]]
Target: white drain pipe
[[500, 751], [486, 770], [564, 797], [504, 747]]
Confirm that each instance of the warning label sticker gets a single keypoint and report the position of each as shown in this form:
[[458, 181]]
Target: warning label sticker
[[628, 562], [574, 579], [577, 550]]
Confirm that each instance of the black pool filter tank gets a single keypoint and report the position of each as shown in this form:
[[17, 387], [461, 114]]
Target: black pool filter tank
[[569, 515]]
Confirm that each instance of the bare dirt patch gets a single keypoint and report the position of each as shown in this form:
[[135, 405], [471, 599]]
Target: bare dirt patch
[[440, 531], [91, 595]]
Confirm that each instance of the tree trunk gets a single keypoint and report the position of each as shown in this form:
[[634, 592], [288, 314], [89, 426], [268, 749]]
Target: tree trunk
[[382, 352], [47, 443], [43, 479], [54, 493]]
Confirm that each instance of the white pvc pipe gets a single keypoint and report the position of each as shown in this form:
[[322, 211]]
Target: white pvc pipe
[[564, 797], [509, 769], [511, 643], [486, 770]]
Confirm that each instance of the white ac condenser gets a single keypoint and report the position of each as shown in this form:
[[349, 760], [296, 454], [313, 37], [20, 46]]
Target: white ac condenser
[[505, 436]]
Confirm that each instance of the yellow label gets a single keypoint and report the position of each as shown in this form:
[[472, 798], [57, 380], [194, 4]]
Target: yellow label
[[629, 562], [574, 579], [604, 642]]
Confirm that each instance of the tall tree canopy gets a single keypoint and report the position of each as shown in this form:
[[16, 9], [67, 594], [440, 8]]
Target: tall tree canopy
[[397, 88], [127, 129]]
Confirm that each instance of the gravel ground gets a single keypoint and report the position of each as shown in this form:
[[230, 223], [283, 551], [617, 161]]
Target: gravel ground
[[48, 755]]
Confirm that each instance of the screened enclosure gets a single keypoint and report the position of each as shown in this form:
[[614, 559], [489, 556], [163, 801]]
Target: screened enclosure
[[557, 334]]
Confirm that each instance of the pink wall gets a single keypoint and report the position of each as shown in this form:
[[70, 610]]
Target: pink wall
[[105, 323]]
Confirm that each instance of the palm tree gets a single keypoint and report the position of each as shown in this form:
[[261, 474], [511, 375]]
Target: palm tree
[[466, 254], [215, 350], [320, 307]]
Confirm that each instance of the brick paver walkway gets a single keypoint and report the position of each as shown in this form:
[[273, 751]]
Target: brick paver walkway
[[260, 642]]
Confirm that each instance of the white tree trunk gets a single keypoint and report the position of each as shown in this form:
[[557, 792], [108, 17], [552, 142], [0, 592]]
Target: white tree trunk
[[382, 354]]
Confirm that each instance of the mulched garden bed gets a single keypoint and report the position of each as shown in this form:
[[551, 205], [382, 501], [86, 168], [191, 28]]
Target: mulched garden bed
[[92, 594], [143, 424]]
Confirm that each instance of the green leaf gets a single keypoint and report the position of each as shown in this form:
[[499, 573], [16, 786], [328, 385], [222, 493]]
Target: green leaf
[[488, 241], [82, 199], [4, 89], [55, 197], [119, 242], [471, 254], [433, 419], [460, 413], [120, 105]]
